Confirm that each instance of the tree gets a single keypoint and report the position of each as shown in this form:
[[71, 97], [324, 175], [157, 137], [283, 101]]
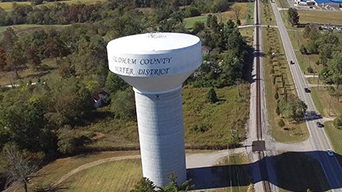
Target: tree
[[144, 185], [2, 59], [211, 96], [293, 16], [292, 108], [123, 105], [338, 122], [237, 10], [19, 167], [303, 50], [9, 38], [114, 83], [281, 123], [197, 27], [276, 95], [174, 187]]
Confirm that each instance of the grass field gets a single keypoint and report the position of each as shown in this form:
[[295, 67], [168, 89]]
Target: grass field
[[246, 8], [108, 177], [294, 132], [299, 172], [56, 169], [7, 6], [326, 105], [325, 17], [296, 37], [218, 120], [266, 13], [239, 174], [335, 136], [282, 3], [221, 119], [248, 33]]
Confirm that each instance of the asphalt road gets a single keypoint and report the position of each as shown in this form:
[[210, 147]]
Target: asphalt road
[[319, 141]]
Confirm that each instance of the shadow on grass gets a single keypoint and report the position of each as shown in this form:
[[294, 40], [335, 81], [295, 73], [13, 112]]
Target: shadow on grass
[[293, 171]]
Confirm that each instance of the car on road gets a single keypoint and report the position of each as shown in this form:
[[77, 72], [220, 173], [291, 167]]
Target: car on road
[[307, 90], [319, 124], [330, 152], [291, 62]]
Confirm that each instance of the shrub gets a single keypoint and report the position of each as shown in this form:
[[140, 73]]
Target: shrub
[[211, 96], [276, 95], [272, 71], [310, 70], [200, 127], [338, 122], [281, 123]]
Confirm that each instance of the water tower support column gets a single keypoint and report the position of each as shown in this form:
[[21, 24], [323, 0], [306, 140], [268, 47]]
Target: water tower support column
[[161, 134]]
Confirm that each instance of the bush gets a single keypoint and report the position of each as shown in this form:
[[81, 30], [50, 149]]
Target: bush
[[310, 69], [211, 96], [200, 127], [338, 122], [281, 123], [303, 50], [276, 95], [272, 71], [278, 110], [192, 12], [123, 105]]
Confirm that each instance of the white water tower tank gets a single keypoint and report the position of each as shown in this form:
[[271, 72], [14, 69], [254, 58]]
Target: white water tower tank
[[156, 65]]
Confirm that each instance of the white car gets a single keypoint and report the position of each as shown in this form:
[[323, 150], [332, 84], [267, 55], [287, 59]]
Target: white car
[[330, 152]]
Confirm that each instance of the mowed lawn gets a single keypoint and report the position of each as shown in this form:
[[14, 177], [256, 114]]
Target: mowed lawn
[[322, 17], [108, 177], [53, 171]]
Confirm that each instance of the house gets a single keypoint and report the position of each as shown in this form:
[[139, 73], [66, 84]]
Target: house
[[100, 99], [206, 50]]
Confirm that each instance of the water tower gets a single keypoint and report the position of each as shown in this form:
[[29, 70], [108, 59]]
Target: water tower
[[156, 65]]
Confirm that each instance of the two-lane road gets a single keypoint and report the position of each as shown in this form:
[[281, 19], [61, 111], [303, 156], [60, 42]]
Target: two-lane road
[[319, 139]]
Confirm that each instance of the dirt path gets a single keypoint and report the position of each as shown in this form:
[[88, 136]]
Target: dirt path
[[93, 164]]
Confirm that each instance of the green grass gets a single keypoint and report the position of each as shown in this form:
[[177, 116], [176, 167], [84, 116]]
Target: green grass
[[56, 169], [322, 17], [335, 136], [282, 3], [326, 105], [296, 37], [189, 22], [221, 118], [266, 13], [239, 173], [295, 132], [114, 176], [248, 34], [299, 172]]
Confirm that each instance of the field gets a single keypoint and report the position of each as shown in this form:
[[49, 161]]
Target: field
[[266, 14], [293, 132], [282, 3], [56, 169], [246, 8], [8, 5], [325, 17], [108, 177], [326, 105], [248, 33], [299, 172]]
